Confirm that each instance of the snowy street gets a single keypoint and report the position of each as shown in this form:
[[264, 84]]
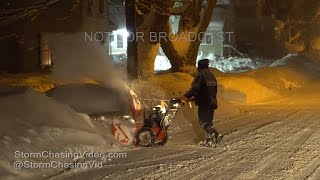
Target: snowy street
[[263, 142]]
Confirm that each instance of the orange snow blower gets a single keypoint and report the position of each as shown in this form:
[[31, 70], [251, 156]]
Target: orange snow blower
[[151, 130]]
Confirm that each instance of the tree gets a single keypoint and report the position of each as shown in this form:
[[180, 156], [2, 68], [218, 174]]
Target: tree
[[132, 51], [182, 47], [153, 18], [296, 20]]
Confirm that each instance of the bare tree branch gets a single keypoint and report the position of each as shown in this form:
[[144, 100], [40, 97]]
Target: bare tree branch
[[74, 7], [8, 36], [8, 16], [159, 8]]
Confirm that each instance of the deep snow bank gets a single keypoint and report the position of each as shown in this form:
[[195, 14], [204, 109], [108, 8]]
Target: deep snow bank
[[224, 64], [282, 79], [38, 82], [174, 85], [92, 99], [33, 122]]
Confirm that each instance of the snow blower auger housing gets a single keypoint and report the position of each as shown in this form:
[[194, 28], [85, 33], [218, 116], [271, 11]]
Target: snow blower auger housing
[[152, 130]]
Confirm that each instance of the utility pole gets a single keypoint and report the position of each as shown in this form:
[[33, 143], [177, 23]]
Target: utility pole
[[132, 46]]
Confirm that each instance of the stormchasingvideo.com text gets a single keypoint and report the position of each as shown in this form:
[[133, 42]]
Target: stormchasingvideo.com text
[[69, 155], [63, 160]]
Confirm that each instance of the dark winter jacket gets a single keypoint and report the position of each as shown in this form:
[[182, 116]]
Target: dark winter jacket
[[203, 89]]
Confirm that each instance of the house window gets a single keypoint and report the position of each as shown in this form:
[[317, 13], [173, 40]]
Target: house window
[[119, 41], [45, 58], [101, 6], [207, 39], [111, 37]]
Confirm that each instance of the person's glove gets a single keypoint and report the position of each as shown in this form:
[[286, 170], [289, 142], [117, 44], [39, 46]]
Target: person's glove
[[184, 100]]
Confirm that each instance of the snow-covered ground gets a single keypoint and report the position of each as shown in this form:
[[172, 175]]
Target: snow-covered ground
[[229, 64], [31, 122], [161, 63], [224, 64], [265, 142]]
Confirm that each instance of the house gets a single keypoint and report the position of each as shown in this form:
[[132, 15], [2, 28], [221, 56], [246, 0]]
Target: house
[[219, 32], [24, 47]]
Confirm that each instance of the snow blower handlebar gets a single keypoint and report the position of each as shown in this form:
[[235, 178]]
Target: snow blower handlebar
[[177, 100]]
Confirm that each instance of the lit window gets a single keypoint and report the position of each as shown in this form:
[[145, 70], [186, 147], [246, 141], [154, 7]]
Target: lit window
[[207, 39], [119, 41], [111, 38], [45, 60]]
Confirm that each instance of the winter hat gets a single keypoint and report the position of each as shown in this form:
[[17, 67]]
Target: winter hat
[[203, 64]]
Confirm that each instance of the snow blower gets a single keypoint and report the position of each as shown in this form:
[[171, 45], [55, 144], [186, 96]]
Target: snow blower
[[152, 130]]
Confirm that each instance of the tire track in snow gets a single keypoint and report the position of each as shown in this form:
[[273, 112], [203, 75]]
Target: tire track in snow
[[213, 160], [238, 161], [254, 125], [140, 158], [270, 133], [302, 166], [277, 138], [264, 116], [316, 174], [277, 160], [233, 133]]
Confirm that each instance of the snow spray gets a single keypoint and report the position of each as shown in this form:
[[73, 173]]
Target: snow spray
[[75, 59]]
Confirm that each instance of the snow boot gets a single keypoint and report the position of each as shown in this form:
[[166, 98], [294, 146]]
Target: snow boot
[[218, 138], [209, 142]]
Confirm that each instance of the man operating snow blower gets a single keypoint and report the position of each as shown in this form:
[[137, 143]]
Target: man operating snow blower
[[204, 90]]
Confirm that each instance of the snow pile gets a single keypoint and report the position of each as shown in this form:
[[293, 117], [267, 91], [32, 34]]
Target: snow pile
[[174, 85], [164, 86], [229, 64], [280, 80], [284, 78], [33, 122], [224, 64], [161, 63], [232, 64], [244, 89], [38, 82], [315, 43], [91, 99], [284, 60]]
